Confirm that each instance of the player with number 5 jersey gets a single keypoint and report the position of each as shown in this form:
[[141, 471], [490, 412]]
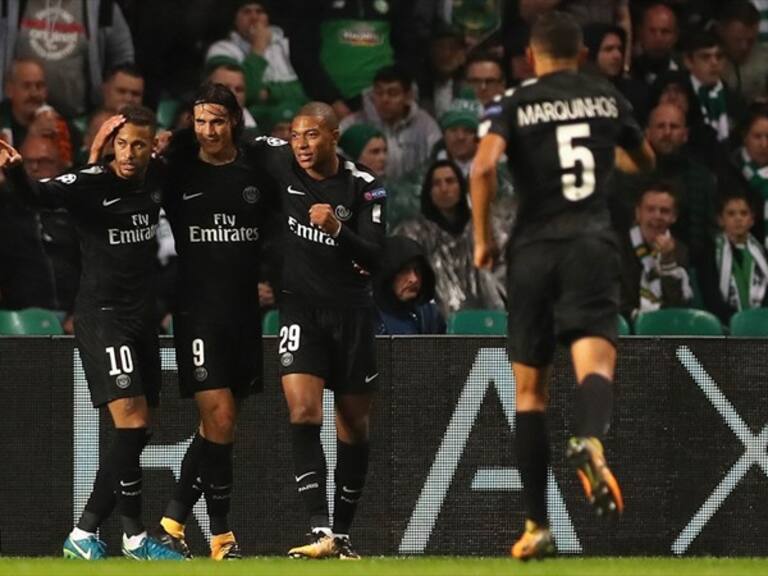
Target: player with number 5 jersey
[[562, 132]]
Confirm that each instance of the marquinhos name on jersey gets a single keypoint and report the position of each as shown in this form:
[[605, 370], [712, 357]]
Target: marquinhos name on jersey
[[573, 109]]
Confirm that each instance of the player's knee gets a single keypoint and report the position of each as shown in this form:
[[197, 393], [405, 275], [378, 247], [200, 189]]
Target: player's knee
[[219, 422], [353, 430], [130, 412], [306, 413], [531, 398]]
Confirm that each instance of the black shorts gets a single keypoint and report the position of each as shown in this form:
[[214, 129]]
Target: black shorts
[[213, 356], [120, 356], [561, 290], [336, 344]]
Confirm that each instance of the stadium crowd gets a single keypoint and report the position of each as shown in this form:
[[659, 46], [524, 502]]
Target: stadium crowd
[[410, 80]]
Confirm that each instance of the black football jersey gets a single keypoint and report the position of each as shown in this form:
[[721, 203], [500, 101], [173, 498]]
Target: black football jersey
[[317, 267], [561, 132], [116, 221], [217, 214]]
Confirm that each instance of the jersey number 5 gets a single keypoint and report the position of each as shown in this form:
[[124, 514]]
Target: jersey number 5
[[571, 157]]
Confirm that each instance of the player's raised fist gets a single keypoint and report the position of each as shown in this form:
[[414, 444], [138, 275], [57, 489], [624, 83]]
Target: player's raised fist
[[322, 216]]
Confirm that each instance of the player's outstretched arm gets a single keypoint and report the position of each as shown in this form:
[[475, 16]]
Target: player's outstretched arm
[[107, 131], [482, 188], [640, 159]]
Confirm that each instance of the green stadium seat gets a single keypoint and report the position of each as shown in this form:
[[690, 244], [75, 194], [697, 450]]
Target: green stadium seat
[[30, 321], [270, 323], [485, 322], [752, 322], [678, 322], [624, 328]]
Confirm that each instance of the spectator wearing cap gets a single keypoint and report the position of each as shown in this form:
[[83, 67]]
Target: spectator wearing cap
[[366, 144], [460, 140], [390, 106], [263, 51]]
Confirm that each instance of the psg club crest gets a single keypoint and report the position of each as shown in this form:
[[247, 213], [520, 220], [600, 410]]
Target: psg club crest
[[251, 194], [343, 213], [123, 381], [201, 373], [286, 359]]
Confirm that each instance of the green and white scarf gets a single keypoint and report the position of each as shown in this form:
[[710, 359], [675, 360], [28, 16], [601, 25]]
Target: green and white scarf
[[714, 109], [742, 284], [651, 294], [758, 180]]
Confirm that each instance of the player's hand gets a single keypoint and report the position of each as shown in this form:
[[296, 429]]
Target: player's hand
[[485, 255], [322, 216], [107, 130], [9, 156]]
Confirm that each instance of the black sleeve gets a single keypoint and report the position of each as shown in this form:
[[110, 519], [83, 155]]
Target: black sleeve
[[45, 194], [630, 135], [365, 245], [305, 51], [498, 118]]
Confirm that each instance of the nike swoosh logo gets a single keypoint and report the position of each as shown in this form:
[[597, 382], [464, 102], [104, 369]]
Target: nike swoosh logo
[[130, 483], [86, 555], [186, 196], [300, 478], [348, 491], [106, 202], [371, 378], [292, 190]]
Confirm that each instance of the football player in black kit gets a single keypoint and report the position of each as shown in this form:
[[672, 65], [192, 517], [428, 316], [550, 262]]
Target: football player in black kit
[[560, 133], [116, 215], [217, 198], [333, 211]]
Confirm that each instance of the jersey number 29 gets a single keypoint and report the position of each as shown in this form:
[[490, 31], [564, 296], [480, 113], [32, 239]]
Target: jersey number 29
[[570, 156]]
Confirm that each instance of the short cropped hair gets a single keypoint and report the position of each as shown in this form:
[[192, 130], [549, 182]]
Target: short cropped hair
[[701, 40], [557, 34], [659, 186], [139, 116], [394, 73]]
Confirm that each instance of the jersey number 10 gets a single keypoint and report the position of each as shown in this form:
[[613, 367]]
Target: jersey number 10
[[571, 157]]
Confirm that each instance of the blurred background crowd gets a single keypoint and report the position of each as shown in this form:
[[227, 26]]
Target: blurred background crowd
[[410, 80]]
